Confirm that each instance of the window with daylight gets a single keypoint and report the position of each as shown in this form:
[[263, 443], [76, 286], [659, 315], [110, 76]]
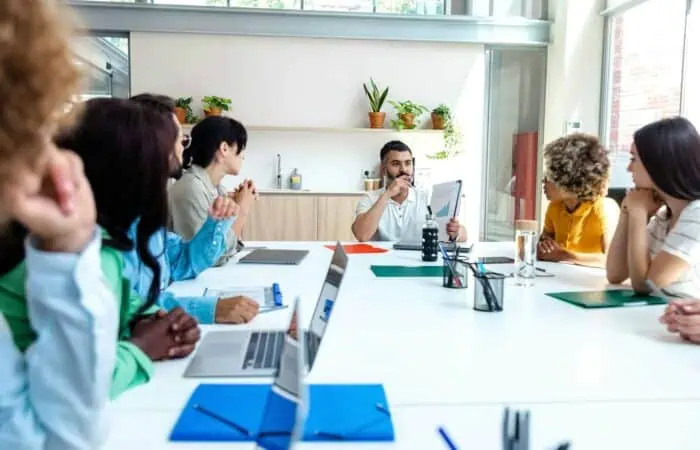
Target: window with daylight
[[409, 7], [645, 71]]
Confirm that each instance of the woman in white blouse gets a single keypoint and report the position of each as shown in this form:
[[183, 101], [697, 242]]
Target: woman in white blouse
[[657, 241]]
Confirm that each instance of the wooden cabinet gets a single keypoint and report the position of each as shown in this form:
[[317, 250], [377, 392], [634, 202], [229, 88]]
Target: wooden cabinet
[[282, 218], [335, 217], [305, 217]]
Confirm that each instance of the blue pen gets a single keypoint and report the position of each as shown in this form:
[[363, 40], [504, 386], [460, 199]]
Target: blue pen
[[276, 294], [482, 269], [446, 438]]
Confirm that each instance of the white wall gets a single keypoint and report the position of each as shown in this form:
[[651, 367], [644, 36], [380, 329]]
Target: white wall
[[318, 83], [574, 66]]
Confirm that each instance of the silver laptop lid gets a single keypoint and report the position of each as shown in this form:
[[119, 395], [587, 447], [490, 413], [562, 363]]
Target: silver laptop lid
[[326, 300]]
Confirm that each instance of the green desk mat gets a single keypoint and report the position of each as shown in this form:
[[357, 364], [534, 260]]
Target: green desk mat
[[406, 271], [607, 299]]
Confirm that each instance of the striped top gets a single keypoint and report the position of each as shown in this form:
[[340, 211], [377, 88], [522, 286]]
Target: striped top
[[682, 241]]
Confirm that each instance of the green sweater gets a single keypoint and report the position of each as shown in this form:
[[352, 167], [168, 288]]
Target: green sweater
[[132, 367]]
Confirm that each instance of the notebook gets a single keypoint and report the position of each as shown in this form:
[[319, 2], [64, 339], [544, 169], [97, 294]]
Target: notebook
[[607, 299]]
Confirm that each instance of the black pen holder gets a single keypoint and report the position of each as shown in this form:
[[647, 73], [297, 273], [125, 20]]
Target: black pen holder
[[454, 273], [488, 291]]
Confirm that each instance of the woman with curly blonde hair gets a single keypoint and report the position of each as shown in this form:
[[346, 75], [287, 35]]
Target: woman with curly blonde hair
[[53, 395], [580, 221]]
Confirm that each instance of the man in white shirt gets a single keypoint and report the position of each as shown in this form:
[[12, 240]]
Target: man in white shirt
[[397, 212]]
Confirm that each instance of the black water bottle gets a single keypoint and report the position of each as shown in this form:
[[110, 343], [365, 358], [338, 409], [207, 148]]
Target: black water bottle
[[429, 244]]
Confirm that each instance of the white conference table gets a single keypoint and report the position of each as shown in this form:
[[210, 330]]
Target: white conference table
[[439, 360]]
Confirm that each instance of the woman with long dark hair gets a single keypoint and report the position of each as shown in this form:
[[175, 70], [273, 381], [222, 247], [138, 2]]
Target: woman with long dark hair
[[178, 259], [657, 241], [217, 149], [125, 148]]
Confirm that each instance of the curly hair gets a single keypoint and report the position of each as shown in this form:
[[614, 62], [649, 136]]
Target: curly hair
[[37, 75], [579, 165]]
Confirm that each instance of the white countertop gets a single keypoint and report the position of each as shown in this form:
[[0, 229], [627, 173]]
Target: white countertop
[[607, 379]]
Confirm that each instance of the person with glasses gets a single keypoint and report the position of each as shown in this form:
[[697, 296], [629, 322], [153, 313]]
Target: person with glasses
[[580, 219], [180, 259], [217, 150]]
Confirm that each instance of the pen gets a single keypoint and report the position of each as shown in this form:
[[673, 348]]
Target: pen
[[446, 259], [446, 438], [271, 308], [276, 294]]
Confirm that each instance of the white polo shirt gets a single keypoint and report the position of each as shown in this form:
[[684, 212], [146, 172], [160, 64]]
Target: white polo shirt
[[400, 221]]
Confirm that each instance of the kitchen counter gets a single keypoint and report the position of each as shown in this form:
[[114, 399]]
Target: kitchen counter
[[309, 192]]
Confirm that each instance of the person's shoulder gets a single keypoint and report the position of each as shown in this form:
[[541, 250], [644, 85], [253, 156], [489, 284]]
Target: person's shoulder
[[554, 207], [184, 184]]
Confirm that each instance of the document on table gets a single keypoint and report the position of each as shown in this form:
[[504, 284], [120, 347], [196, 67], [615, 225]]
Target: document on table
[[262, 295]]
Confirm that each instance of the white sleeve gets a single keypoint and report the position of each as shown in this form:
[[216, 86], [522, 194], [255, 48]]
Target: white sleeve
[[684, 239], [364, 205], [54, 396]]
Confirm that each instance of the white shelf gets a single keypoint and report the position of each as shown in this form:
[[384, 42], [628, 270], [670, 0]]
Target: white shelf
[[286, 129]]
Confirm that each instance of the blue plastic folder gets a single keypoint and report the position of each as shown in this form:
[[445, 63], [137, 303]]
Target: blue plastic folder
[[338, 412]]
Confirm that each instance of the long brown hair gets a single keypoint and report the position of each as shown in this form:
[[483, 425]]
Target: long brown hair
[[125, 147]]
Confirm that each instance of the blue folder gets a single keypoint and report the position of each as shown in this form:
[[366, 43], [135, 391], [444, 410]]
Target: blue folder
[[338, 412]]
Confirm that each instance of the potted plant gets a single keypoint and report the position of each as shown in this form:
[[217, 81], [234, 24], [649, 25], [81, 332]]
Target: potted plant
[[452, 138], [440, 116], [213, 106], [183, 110], [408, 112], [376, 101]]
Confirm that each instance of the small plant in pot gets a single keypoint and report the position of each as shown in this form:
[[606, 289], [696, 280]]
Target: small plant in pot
[[376, 101], [183, 110], [408, 112], [440, 117], [213, 106]]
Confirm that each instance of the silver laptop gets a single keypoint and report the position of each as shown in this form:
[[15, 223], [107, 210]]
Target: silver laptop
[[271, 256], [256, 353]]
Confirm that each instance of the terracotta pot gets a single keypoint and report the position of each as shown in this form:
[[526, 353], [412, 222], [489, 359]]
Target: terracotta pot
[[438, 121], [408, 120], [181, 115], [212, 111], [376, 119]]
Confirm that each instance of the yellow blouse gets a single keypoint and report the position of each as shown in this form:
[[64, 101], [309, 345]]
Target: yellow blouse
[[580, 231]]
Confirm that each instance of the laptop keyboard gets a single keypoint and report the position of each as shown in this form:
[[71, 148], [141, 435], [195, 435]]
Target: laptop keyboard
[[264, 350]]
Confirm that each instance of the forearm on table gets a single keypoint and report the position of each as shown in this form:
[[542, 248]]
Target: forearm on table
[[616, 266], [589, 259], [638, 252], [238, 225]]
